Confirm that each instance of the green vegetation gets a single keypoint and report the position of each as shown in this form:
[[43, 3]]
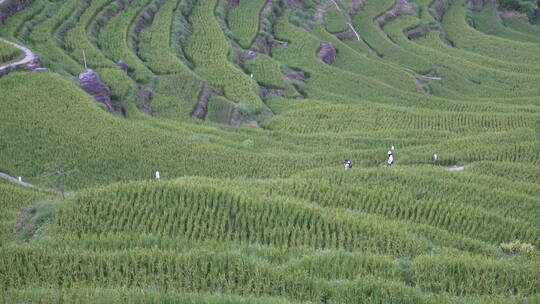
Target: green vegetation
[[77, 41], [113, 39], [155, 43], [43, 42], [253, 204], [13, 198], [488, 21], [176, 96], [209, 48], [8, 52], [335, 21], [521, 24], [463, 36], [267, 72], [243, 21]]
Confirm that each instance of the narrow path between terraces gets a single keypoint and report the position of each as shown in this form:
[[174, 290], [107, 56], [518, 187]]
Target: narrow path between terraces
[[14, 180], [28, 55]]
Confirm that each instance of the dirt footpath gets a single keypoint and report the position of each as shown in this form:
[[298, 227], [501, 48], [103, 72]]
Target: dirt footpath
[[28, 55]]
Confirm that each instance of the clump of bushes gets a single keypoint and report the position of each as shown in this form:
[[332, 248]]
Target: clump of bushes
[[517, 247]]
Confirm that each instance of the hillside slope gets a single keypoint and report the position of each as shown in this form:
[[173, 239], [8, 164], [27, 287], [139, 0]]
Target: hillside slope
[[248, 126]]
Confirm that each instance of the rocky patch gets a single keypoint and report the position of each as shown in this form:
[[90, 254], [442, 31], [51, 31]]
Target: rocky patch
[[294, 75], [421, 31], [327, 53], [9, 8], [146, 18], [400, 7], [239, 118], [92, 84], [202, 105], [347, 35], [232, 4], [266, 91], [276, 43], [439, 7]]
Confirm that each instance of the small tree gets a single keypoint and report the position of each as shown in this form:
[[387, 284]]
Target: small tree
[[55, 176]]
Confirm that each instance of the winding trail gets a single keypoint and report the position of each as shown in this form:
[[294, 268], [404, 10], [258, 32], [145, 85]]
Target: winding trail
[[29, 56], [27, 185], [354, 31]]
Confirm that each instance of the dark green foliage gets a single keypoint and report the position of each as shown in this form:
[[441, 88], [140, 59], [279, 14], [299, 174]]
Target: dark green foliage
[[526, 6]]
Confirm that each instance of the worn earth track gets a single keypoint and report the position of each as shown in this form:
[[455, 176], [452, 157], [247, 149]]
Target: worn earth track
[[27, 185], [29, 56]]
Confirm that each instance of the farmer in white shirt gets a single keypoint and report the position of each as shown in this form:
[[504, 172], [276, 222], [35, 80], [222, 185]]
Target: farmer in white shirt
[[390, 158]]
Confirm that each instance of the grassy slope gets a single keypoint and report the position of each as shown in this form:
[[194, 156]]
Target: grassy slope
[[268, 215], [164, 229]]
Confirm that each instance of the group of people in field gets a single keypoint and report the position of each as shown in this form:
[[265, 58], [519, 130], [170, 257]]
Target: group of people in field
[[390, 161]]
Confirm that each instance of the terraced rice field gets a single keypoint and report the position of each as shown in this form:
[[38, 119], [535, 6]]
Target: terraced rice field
[[248, 123]]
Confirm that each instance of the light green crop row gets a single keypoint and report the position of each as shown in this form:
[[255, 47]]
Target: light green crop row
[[113, 39], [318, 119], [262, 220], [209, 49], [77, 41], [466, 77], [155, 43], [243, 21], [44, 45], [176, 96], [339, 86], [467, 38], [375, 37]]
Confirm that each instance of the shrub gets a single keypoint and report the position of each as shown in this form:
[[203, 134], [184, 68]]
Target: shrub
[[517, 247]]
